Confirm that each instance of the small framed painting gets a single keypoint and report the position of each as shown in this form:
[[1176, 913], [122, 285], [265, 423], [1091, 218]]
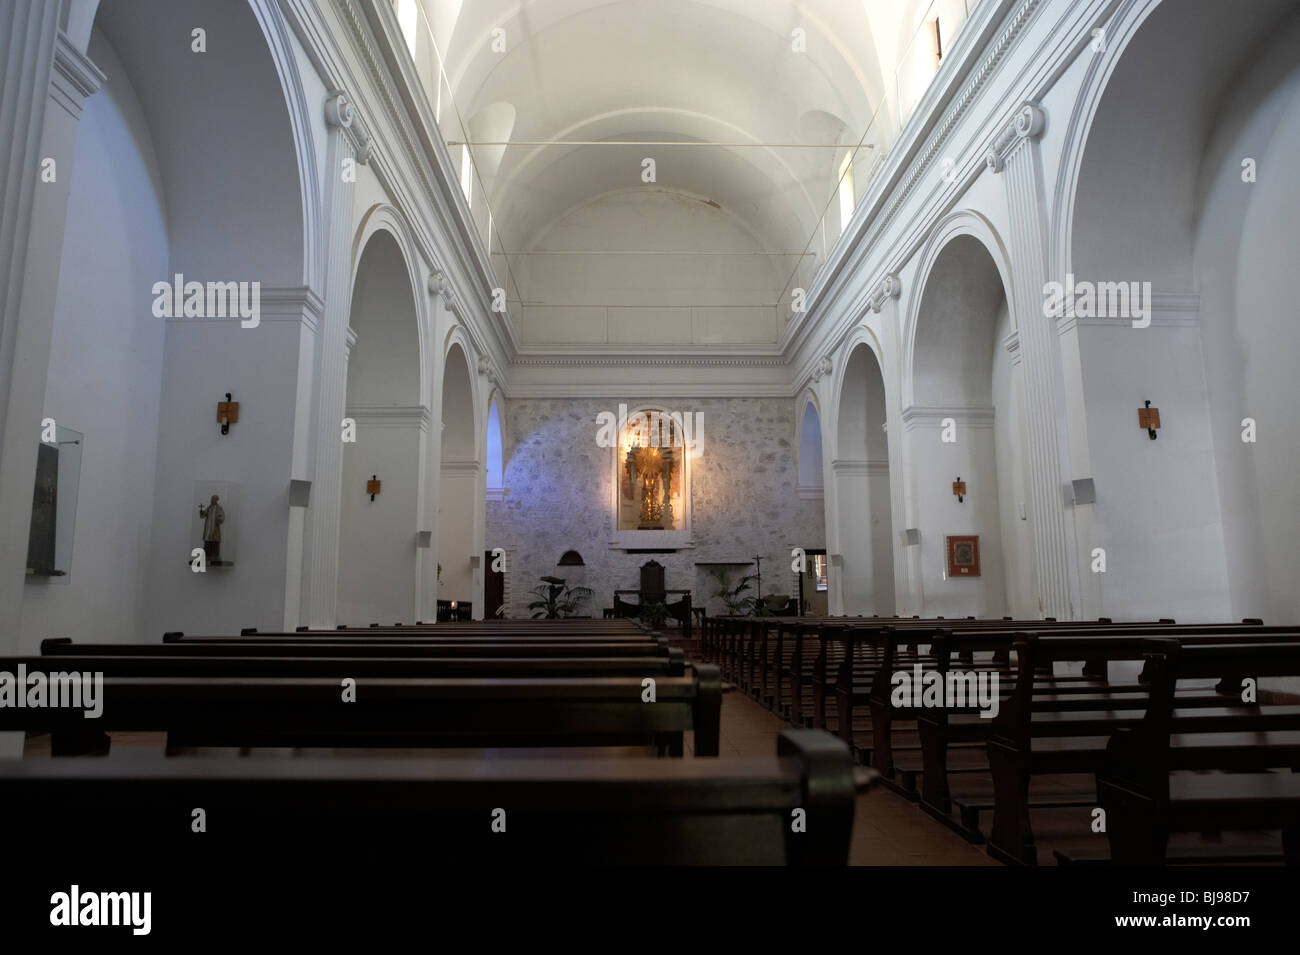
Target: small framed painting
[[963, 556]]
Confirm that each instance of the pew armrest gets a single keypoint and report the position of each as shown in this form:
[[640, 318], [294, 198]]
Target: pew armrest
[[864, 779]]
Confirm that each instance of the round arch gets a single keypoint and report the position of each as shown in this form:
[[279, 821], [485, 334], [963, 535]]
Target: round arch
[[379, 564], [384, 218], [808, 415], [963, 222], [862, 545], [461, 489]]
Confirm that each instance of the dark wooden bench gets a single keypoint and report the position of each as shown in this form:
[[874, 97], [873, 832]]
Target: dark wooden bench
[[342, 663], [395, 712], [581, 811], [1146, 799], [238, 646], [1031, 736]]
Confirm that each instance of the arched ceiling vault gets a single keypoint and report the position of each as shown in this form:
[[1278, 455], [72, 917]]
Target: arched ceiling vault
[[769, 127]]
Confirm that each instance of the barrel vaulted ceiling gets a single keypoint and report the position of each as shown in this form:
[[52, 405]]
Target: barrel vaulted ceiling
[[772, 127]]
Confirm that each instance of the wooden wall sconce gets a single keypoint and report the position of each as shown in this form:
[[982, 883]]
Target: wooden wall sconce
[[1149, 418], [373, 486], [959, 489], [227, 413]]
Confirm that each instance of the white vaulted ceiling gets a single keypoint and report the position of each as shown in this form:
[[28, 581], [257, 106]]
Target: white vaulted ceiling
[[705, 71]]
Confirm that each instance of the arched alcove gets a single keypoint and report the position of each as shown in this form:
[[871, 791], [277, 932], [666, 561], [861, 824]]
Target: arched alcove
[[146, 203], [811, 478], [495, 460], [1173, 188], [862, 563], [965, 424], [377, 538], [460, 479]]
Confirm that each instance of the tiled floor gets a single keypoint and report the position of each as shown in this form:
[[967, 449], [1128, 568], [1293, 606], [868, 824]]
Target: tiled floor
[[887, 829]]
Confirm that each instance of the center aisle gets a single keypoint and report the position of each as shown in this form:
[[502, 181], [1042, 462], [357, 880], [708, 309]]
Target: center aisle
[[887, 829]]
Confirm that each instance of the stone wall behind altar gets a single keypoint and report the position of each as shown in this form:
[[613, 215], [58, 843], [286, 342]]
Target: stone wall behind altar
[[744, 488]]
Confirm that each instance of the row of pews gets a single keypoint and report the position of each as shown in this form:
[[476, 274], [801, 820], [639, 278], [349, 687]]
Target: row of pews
[[1141, 742], [469, 740]]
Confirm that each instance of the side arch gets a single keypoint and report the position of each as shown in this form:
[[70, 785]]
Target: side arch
[[962, 222]]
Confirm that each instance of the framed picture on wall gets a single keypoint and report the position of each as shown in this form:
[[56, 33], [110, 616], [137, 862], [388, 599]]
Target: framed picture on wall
[[963, 556]]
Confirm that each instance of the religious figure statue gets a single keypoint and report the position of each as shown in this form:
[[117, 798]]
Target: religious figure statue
[[214, 515]]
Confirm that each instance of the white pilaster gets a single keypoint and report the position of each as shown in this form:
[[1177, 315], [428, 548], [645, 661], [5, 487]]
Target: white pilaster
[[1015, 155], [39, 67], [348, 140]]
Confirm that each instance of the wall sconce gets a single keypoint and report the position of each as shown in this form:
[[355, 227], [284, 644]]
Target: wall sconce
[[1149, 418], [373, 486], [959, 488], [227, 413]]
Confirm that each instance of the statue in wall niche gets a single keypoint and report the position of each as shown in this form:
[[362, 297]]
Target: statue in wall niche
[[214, 515]]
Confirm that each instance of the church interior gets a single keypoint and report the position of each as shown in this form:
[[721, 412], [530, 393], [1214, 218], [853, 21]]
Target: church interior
[[651, 432]]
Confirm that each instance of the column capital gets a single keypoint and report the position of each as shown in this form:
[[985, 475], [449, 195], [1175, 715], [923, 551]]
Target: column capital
[[439, 286], [341, 114], [823, 369], [1029, 123], [888, 287]]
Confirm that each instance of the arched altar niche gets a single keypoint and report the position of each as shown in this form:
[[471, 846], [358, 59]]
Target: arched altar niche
[[651, 478]]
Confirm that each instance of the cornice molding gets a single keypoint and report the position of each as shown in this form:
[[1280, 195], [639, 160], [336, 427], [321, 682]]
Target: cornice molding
[[892, 196], [957, 111], [1168, 310], [277, 303], [647, 361], [702, 388], [848, 468], [415, 416], [811, 492], [452, 211], [471, 468], [918, 417], [74, 77]]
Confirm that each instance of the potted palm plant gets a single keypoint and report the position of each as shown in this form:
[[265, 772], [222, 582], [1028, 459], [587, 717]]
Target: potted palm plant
[[734, 595], [555, 599]]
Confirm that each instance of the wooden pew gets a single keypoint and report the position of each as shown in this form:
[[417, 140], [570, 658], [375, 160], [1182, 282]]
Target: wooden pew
[[940, 730], [869, 656], [1030, 738], [578, 811], [393, 712], [239, 646], [342, 663], [1146, 799]]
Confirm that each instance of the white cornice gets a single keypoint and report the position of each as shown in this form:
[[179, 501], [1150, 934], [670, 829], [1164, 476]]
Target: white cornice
[[650, 361], [471, 468], [414, 416], [848, 468], [918, 417], [913, 155], [1168, 310], [74, 77], [811, 492]]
